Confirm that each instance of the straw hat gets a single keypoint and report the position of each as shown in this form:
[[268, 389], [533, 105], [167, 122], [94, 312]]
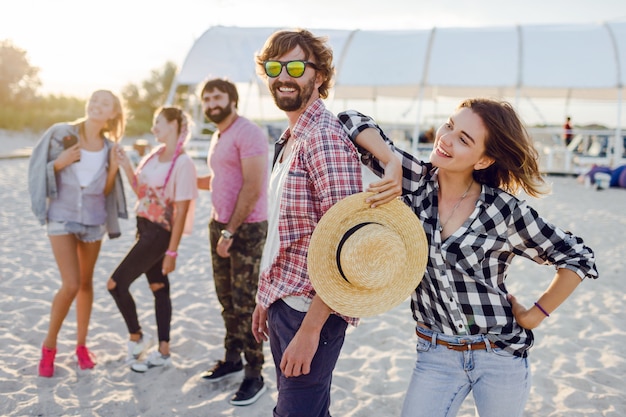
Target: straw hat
[[363, 261]]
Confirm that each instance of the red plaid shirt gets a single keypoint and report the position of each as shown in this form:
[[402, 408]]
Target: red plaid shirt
[[324, 170]]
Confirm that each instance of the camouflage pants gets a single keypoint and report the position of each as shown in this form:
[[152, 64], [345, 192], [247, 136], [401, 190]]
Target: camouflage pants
[[236, 281]]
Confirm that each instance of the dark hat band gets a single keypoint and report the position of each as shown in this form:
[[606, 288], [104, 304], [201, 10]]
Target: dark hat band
[[343, 240]]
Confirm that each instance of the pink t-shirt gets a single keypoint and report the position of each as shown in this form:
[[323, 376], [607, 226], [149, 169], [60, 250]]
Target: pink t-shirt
[[242, 139]]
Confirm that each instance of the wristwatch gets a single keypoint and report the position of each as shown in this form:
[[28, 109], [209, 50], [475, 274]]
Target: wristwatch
[[226, 234]]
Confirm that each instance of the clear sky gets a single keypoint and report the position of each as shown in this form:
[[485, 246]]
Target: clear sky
[[82, 45]]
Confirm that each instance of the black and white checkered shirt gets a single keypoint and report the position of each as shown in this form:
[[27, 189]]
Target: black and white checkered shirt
[[463, 290]]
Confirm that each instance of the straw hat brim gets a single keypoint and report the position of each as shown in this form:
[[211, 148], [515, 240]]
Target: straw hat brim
[[402, 257]]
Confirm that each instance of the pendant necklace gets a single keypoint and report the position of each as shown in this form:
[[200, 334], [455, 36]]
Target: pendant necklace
[[456, 206]]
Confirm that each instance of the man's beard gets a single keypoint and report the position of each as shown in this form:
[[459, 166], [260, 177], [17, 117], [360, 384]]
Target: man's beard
[[220, 116], [289, 103]]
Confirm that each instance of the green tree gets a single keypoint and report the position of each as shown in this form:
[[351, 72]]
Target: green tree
[[22, 107], [19, 80], [44, 111], [141, 102]]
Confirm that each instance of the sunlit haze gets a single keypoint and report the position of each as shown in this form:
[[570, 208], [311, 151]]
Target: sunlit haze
[[81, 46]]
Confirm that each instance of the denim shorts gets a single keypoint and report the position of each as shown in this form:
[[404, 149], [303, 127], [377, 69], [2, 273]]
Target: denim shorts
[[84, 233]]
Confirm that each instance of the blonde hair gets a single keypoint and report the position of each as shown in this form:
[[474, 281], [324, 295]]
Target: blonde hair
[[115, 126]]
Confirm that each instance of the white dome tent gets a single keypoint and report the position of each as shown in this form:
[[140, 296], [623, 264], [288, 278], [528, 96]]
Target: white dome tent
[[524, 62]]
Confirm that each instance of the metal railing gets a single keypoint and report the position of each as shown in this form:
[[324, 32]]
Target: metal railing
[[587, 148]]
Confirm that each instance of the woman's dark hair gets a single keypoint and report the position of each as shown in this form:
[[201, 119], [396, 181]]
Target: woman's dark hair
[[509, 145]]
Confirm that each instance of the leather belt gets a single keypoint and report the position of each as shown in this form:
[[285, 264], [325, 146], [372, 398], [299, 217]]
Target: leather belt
[[460, 347]]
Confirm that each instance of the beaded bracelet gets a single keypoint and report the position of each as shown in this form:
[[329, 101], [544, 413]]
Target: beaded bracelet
[[542, 310], [171, 253]]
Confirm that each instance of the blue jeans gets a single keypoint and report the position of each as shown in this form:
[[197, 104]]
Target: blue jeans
[[305, 395], [442, 378]]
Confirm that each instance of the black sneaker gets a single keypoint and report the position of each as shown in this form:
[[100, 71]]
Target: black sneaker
[[221, 370], [249, 391]]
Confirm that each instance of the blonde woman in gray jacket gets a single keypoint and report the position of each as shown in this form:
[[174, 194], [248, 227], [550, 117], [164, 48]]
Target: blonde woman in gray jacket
[[76, 191]]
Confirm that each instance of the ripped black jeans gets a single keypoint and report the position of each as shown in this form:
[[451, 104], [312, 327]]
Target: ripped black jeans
[[145, 257]]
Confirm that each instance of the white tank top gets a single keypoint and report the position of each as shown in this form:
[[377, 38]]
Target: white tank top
[[89, 165]]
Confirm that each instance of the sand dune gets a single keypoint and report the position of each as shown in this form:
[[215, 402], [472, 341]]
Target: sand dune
[[579, 360]]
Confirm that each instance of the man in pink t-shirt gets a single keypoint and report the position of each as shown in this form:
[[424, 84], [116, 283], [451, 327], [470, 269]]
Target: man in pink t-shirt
[[238, 161]]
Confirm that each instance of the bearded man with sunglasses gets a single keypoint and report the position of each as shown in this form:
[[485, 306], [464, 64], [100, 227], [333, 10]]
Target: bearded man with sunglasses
[[315, 166], [238, 160]]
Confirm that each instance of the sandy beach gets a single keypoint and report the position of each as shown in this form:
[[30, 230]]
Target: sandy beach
[[578, 361]]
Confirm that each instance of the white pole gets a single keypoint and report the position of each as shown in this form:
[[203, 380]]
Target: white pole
[[618, 145], [423, 84], [416, 131]]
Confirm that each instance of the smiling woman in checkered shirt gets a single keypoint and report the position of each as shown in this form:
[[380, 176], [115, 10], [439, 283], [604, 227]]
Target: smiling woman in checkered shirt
[[472, 334]]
